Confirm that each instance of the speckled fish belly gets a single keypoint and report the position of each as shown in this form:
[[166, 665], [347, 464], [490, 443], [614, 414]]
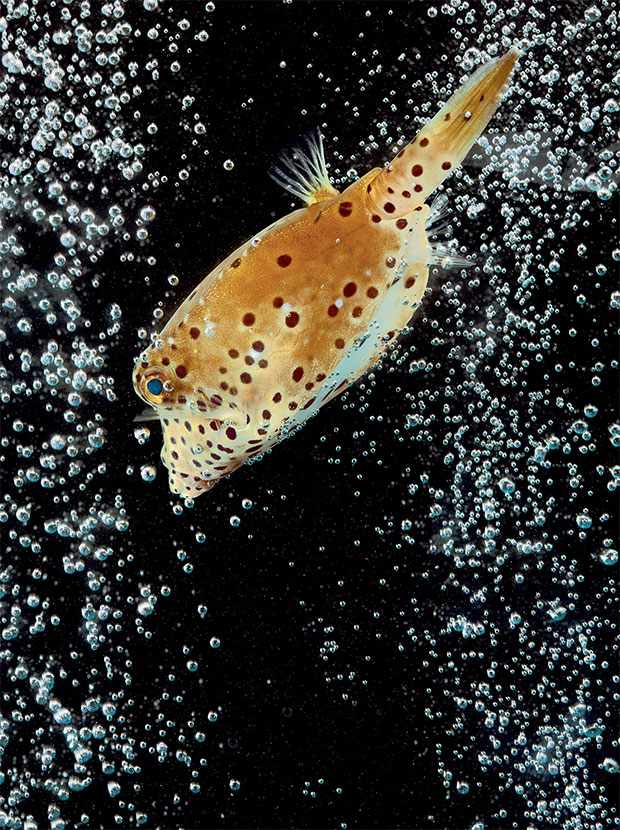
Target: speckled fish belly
[[307, 306]]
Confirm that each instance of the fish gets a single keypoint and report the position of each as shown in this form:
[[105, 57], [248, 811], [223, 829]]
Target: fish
[[307, 306]]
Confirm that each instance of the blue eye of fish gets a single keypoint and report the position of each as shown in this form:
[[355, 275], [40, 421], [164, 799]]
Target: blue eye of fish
[[155, 386]]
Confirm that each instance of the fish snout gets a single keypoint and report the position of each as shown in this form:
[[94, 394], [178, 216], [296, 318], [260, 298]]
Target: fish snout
[[190, 487]]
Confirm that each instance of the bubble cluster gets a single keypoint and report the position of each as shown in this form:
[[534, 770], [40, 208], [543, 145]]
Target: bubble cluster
[[435, 585]]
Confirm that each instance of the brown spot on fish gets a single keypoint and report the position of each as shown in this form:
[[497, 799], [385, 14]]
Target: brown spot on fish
[[339, 343], [194, 333], [446, 165], [298, 374], [417, 170], [233, 353], [284, 261], [357, 311], [401, 224], [349, 289], [345, 208], [258, 346], [376, 217], [332, 310], [388, 207], [181, 371], [245, 377], [292, 318], [423, 142], [236, 263], [372, 292], [278, 302], [248, 319]]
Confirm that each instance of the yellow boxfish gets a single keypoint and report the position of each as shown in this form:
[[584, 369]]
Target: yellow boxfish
[[304, 308]]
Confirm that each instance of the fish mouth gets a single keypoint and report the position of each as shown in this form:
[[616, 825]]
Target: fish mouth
[[188, 486]]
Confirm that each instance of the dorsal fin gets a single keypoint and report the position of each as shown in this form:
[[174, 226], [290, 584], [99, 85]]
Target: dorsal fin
[[301, 169]]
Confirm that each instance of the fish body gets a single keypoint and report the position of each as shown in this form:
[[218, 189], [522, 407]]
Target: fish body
[[308, 305]]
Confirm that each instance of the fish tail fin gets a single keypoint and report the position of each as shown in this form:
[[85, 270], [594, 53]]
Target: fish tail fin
[[301, 169], [443, 143]]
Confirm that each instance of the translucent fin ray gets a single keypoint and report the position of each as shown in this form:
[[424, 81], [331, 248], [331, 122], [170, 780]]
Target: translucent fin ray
[[301, 169]]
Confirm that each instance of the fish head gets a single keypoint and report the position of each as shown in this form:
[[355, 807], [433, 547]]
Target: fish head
[[192, 420], [184, 453]]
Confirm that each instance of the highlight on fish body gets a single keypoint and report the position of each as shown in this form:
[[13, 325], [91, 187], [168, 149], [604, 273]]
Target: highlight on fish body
[[304, 308]]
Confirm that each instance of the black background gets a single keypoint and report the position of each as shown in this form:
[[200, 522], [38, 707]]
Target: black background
[[330, 714]]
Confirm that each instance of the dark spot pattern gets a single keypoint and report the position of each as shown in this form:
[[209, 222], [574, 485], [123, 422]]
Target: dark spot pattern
[[298, 374], [401, 224], [236, 263], [409, 282], [372, 292], [194, 333], [181, 371], [406, 194], [332, 310], [423, 142], [390, 262], [292, 318], [357, 311], [339, 343], [349, 289], [278, 302], [345, 208], [245, 377], [417, 170], [418, 188], [263, 363], [284, 261], [231, 433], [376, 218], [388, 207], [233, 353], [446, 165], [258, 346], [248, 319], [277, 397]]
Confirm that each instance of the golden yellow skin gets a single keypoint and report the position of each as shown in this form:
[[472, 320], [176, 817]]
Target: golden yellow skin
[[305, 308], [260, 336]]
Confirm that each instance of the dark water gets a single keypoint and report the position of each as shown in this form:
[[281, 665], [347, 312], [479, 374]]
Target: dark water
[[404, 616]]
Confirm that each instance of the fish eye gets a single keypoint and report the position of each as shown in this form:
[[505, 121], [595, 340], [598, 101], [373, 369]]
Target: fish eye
[[155, 386]]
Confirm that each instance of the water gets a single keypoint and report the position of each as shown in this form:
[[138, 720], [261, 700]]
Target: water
[[404, 615]]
